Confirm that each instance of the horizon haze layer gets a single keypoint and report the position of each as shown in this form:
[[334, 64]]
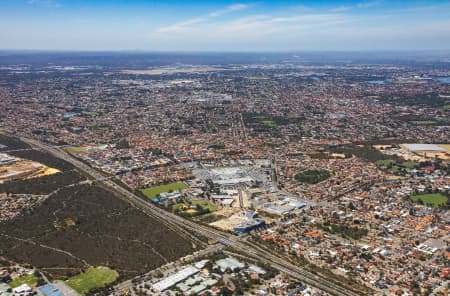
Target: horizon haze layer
[[244, 26]]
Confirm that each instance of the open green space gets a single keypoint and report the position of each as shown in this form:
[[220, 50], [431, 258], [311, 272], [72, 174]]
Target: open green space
[[432, 199], [447, 106], [195, 208], [395, 167], [385, 163], [262, 119], [346, 231], [153, 191], [94, 277], [29, 279], [410, 164], [205, 205], [423, 122], [313, 176], [269, 123]]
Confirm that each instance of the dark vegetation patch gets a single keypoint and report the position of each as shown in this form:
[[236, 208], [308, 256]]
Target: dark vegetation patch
[[426, 99], [313, 176], [44, 158], [424, 120], [346, 231], [11, 143], [326, 155], [366, 152], [389, 163], [398, 168], [42, 185], [104, 231]]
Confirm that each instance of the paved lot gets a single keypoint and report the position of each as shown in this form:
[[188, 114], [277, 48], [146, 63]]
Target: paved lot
[[65, 290]]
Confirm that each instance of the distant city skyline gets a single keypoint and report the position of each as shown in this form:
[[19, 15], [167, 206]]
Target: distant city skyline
[[224, 25]]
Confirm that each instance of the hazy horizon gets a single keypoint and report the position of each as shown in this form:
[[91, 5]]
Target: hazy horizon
[[224, 26]]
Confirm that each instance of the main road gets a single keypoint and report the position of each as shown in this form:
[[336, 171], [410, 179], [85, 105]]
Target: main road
[[193, 230]]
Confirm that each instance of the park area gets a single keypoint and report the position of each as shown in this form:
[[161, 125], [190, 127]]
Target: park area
[[93, 278], [395, 167], [313, 176], [432, 199], [29, 279], [195, 208], [156, 190]]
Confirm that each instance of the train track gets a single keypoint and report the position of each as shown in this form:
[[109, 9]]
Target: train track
[[192, 230]]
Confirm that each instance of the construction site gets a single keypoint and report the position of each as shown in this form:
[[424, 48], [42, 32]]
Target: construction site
[[15, 168]]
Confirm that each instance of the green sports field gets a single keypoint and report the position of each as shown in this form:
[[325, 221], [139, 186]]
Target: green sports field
[[94, 277], [155, 190], [433, 199]]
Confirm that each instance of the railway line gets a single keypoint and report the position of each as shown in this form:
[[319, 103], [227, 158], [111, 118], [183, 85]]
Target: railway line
[[192, 230]]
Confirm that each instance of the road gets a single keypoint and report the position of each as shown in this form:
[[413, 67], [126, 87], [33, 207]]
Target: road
[[192, 230]]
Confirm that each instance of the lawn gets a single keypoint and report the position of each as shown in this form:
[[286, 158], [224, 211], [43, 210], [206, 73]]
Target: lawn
[[385, 163], [184, 208], [31, 280], [423, 122], [205, 205], [434, 199], [393, 167], [155, 190], [410, 164], [264, 121], [93, 278], [179, 206], [268, 123]]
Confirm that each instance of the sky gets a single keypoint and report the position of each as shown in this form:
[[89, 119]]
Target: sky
[[238, 26]]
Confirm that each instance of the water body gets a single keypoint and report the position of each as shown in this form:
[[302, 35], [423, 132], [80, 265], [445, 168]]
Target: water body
[[444, 79], [377, 82], [380, 82]]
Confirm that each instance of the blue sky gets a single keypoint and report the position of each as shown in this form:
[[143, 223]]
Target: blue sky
[[224, 25]]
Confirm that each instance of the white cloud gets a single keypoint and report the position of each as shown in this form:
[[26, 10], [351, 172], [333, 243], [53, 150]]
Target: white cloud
[[228, 9], [45, 3], [181, 26], [361, 5]]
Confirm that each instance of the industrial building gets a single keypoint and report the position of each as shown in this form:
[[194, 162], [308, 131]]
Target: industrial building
[[250, 221]]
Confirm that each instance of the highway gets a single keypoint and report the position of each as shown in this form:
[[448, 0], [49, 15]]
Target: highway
[[192, 230]]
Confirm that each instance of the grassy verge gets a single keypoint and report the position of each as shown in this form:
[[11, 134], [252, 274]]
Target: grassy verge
[[94, 277]]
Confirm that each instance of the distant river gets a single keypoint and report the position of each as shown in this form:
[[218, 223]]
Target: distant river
[[380, 81]]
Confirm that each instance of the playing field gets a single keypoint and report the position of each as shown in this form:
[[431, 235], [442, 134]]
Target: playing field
[[31, 280], [94, 277], [434, 199], [205, 205], [155, 190]]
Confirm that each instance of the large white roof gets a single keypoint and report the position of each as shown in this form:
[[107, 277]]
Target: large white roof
[[175, 278], [423, 147]]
